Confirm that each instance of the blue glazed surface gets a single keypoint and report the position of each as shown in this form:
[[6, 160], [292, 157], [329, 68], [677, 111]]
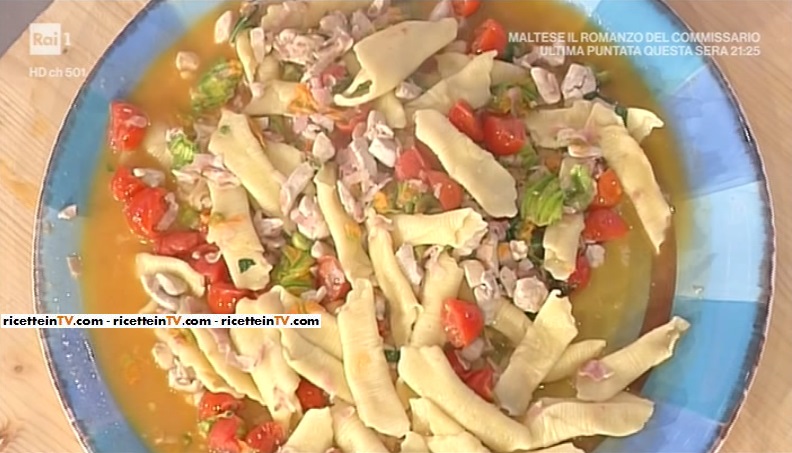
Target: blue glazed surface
[[723, 277]]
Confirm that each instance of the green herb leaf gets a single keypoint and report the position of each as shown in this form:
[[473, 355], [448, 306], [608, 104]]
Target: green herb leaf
[[245, 264], [291, 72], [512, 49], [225, 129], [187, 217], [622, 112], [362, 89], [293, 271], [300, 241], [502, 102], [245, 21], [528, 156], [341, 85], [543, 201], [392, 355], [205, 425], [579, 187], [182, 149], [216, 86]]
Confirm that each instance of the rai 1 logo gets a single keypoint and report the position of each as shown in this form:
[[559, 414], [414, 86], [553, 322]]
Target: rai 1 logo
[[47, 39]]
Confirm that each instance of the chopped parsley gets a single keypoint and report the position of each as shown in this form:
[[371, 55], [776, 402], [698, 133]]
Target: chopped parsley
[[245, 264]]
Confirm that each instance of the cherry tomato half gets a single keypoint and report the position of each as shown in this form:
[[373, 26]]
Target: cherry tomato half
[[504, 135], [489, 36], [128, 126], [463, 322]]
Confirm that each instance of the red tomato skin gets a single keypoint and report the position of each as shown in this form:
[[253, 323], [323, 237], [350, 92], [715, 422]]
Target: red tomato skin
[[213, 404], [604, 225], [265, 438], [490, 35], [445, 189], [482, 381], [222, 297], [145, 210], [609, 190], [465, 8], [503, 136], [128, 126], [177, 243], [463, 322], [456, 364], [582, 274], [310, 396], [124, 185], [410, 164], [216, 272], [465, 119], [331, 276], [224, 435]]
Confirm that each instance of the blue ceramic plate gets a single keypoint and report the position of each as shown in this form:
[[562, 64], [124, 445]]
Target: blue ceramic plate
[[723, 281]]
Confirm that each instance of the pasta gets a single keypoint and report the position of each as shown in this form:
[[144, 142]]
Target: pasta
[[538, 351], [614, 372], [450, 63], [148, 264], [443, 278], [471, 84], [561, 244], [427, 372], [561, 448], [302, 14], [430, 419], [414, 443], [459, 229], [456, 443], [351, 435], [391, 55], [393, 110], [573, 358], [365, 366], [284, 157], [491, 185], [346, 234], [316, 365], [275, 379], [404, 307], [554, 420], [244, 156], [510, 321], [640, 123], [327, 337], [313, 434], [275, 99], [234, 234]]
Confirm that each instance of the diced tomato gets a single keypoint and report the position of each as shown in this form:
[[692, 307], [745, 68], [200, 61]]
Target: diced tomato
[[582, 274], [445, 189], [464, 118], [213, 404], [352, 118], [128, 126], [604, 225], [124, 184], [266, 437], [428, 155], [609, 190], [331, 276], [222, 297], [177, 243], [409, 164], [145, 210], [465, 8], [489, 36], [333, 73], [463, 322], [383, 328], [481, 381], [456, 364], [310, 396], [503, 135], [214, 272], [225, 434]]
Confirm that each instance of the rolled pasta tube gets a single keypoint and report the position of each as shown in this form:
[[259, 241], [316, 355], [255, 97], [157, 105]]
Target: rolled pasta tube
[[284, 157], [545, 124], [365, 367], [403, 306], [487, 181], [625, 156], [389, 56], [351, 435], [541, 347], [414, 443], [460, 228], [303, 15], [640, 123], [392, 109], [149, 264], [554, 420], [274, 100], [275, 379], [432, 420], [560, 242], [442, 280], [450, 63], [313, 434], [183, 345], [346, 233], [326, 337], [427, 371], [471, 84], [617, 370], [573, 358], [315, 365], [244, 156], [462, 442], [567, 447], [510, 321]]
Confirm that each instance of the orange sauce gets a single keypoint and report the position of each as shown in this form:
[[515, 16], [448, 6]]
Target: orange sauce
[[611, 308]]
